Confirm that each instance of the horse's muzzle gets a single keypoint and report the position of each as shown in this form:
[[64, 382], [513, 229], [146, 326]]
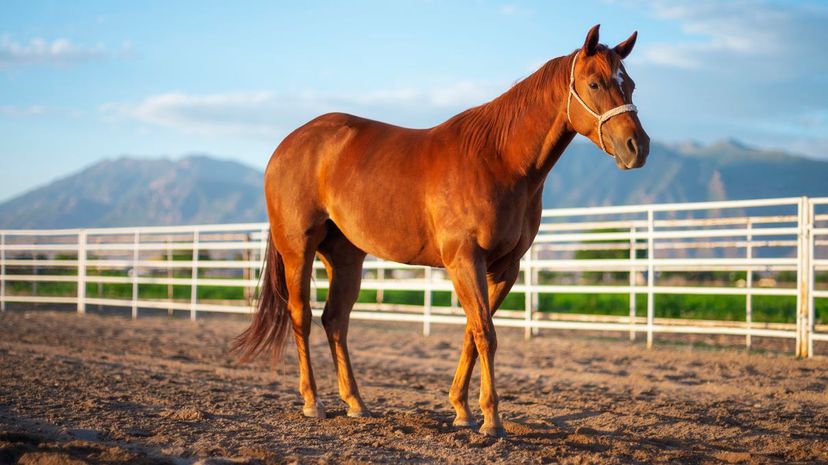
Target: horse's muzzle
[[632, 152]]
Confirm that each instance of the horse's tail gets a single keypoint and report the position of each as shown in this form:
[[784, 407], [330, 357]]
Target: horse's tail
[[270, 323]]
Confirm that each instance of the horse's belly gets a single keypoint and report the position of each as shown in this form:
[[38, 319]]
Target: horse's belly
[[388, 232]]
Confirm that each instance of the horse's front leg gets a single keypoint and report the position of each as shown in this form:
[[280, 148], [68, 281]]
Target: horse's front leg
[[459, 392], [500, 280], [468, 273]]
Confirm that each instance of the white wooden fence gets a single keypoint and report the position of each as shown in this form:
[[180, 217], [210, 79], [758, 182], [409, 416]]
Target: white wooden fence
[[650, 246]]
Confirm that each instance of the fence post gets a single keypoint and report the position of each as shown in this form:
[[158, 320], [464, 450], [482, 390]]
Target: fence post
[[2, 272], [798, 343], [427, 303], [136, 238], [811, 244], [82, 272], [170, 293], [633, 273], [194, 277], [528, 282], [749, 285], [803, 324], [650, 276]]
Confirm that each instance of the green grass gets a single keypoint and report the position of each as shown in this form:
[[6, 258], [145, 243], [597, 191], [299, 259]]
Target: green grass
[[766, 309], [770, 309]]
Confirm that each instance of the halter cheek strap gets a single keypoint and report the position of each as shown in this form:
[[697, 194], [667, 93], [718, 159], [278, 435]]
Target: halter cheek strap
[[602, 118]]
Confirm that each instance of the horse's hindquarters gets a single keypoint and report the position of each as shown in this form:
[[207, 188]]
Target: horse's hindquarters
[[366, 177]]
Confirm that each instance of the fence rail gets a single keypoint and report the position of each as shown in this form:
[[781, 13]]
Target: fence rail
[[638, 251]]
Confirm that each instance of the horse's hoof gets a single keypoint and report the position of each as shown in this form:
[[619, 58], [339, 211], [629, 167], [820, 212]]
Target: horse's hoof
[[363, 413], [317, 411], [493, 431], [464, 423], [314, 413]]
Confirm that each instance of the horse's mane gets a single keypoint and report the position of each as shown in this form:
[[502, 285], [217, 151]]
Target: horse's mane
[[492, 123]]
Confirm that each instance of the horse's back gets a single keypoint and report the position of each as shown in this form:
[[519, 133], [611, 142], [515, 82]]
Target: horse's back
[[366, 176], [328, 146]]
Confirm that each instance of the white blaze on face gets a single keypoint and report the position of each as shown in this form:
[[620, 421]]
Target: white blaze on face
[[619, 78]]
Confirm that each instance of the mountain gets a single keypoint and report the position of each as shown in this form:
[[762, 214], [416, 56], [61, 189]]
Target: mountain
[[201, 189], [142, 192], [725, 170]]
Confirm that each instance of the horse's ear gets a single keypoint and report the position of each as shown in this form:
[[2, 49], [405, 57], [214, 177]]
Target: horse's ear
[[591, 42], [624, 48]]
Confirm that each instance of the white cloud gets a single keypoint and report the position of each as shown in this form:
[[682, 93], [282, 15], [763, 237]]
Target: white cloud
[[758, 34], [268, 114], [12, 110], [226, 113], [41, 51]]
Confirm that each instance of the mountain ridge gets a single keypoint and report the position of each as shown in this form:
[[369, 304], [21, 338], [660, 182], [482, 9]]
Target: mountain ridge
[[130, 191], [198, 189]]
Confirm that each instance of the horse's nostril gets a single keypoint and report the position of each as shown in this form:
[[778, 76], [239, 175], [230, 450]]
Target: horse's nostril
[[632, 147]]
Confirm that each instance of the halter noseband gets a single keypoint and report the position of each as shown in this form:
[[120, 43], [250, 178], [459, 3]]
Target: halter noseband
[[601, 118]]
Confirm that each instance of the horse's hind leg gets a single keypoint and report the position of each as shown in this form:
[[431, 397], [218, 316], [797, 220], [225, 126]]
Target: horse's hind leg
[[343, 261], [298, 260]]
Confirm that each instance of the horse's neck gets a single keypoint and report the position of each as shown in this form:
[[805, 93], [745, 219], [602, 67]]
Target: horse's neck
[[555, 142], [531, 124]]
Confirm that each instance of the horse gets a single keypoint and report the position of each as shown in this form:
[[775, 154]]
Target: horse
[[464, 195]]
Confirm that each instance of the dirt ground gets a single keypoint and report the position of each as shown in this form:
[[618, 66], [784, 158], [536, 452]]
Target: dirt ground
[[105, 389]]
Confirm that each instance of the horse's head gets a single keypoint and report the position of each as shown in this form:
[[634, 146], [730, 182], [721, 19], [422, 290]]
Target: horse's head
[[599, 105]]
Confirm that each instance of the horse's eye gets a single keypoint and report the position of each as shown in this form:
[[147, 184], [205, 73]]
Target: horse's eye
[[593, 85]]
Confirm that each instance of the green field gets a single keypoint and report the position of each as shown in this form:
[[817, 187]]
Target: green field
[[770, 309]]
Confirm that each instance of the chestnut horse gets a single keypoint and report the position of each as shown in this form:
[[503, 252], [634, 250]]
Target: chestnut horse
[[464, 195]]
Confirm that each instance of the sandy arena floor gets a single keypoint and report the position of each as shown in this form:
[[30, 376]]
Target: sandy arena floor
[[105, 389]]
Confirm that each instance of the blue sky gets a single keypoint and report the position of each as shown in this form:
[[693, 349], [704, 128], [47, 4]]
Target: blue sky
[[85, 81]]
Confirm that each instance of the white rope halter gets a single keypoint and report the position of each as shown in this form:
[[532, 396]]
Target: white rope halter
[[601, 118]]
